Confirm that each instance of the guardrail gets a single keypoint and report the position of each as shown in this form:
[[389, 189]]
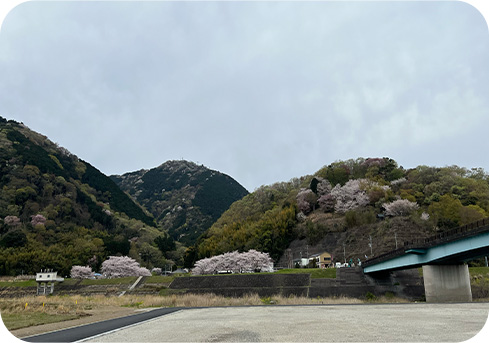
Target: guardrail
[[464, 231]]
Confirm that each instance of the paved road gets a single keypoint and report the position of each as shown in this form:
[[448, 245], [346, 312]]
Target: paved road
[[90, 330], [327, 323]]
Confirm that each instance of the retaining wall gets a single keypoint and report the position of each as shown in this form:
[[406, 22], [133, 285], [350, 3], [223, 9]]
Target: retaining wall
[[264, 285], [350, 282]]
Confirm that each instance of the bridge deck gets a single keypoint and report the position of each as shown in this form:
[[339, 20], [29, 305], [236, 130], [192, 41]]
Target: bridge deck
[[472, 242]]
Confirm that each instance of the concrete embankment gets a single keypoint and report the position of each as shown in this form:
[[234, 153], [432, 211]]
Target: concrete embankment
[[350, 282]]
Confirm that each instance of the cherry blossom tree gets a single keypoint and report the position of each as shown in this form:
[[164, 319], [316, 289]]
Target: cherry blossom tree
[[350, 196], [38, 219], [373, 162], [256, 261], [323, 187], [11, 220], [80, 272], [401, 207], [327, 202], [234, 262], [398, 181], [425, 216], [122, 266], [306, 200]]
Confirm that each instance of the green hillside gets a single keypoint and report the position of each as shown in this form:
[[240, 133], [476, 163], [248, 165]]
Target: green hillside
[[346, 205], [185, 198], [57, 210]]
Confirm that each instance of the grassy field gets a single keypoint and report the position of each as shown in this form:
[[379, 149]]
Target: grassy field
[[36, 310], [479, 271], [116, 281], [160, 279], [316, 273], [28, 283], [15, 321]]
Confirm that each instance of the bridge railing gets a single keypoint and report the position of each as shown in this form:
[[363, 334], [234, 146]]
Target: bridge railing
[[464, 231]]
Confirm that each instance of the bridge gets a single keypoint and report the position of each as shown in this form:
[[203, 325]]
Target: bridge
[[443, 258]]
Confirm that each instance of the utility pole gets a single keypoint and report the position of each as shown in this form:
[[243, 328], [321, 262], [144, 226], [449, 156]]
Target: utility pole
[[370, 245], [290, 263], [344, 252], [395, 237]]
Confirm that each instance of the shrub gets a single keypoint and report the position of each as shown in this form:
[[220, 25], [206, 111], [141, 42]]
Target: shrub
[[156, 271], [370, 296]]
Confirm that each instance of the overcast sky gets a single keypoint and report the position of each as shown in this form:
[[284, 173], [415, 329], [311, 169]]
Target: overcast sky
[[261, 91]]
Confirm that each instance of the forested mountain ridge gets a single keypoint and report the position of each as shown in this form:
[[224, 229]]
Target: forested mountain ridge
[[57, 210], [185, 198], [349, 208]]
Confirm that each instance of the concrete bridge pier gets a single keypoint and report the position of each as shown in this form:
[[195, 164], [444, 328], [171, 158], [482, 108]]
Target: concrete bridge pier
[[447, 283]]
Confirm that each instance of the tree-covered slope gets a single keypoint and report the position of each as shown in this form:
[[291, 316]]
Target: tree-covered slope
[[57, 210], [346, 207], [185, 198]]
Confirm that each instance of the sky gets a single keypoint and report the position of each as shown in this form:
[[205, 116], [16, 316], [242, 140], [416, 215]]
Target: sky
[[261, 91]]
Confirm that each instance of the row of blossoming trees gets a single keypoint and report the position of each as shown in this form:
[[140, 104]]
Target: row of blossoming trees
[[235, 262], [123, 266]]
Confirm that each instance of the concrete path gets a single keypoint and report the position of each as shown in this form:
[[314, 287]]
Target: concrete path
[[326, 323]]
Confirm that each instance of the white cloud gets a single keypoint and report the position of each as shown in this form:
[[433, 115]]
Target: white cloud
[[263, 91]]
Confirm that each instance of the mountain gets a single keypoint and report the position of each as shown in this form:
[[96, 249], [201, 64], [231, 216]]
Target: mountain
[[184, 198], [57, 210], [348, 208]]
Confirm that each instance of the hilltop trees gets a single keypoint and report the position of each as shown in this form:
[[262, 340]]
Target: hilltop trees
[[352, 195]]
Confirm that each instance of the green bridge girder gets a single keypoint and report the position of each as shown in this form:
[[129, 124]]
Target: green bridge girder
[[454, 252]]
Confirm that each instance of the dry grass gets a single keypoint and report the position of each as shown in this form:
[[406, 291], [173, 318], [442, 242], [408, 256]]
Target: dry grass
[[35, 310], [77, 304], [30, 311]]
